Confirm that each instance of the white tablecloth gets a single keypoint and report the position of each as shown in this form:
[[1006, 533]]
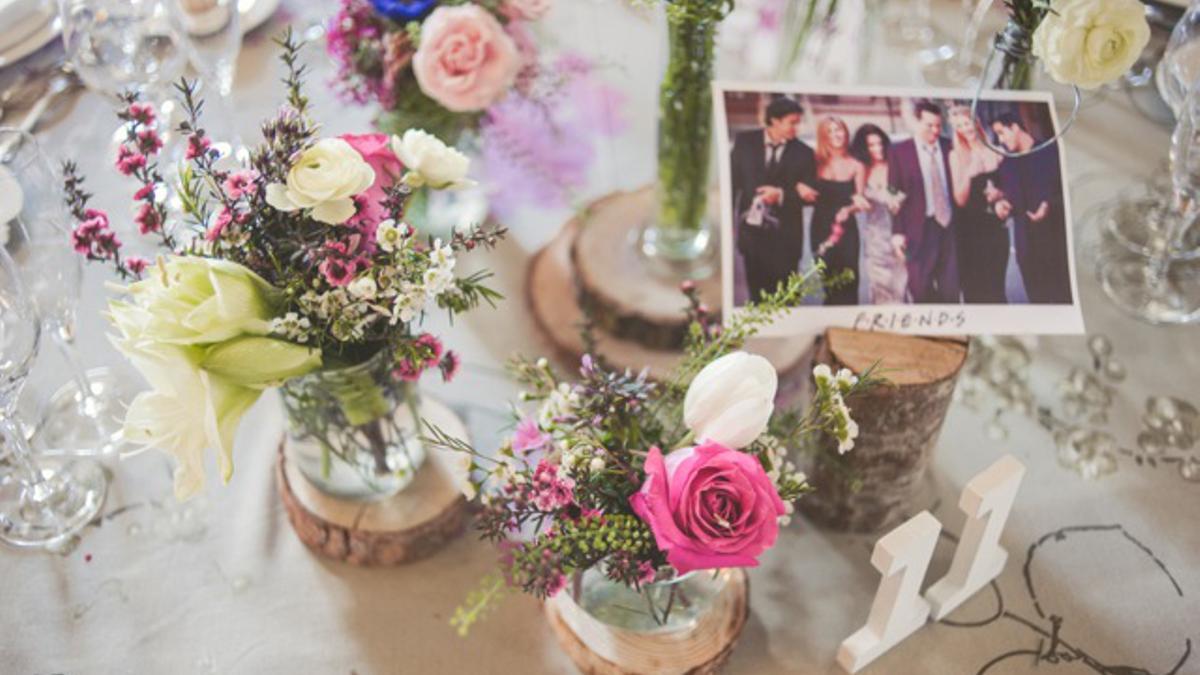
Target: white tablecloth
[[222, 585]]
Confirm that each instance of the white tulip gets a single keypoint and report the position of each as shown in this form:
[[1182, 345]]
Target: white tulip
[[731, 400], [429, 161], [325, 178], [1089, 43]]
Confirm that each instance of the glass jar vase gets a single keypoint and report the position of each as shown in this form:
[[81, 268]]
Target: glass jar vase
[[680, 235], [354, 431], [675, 604]]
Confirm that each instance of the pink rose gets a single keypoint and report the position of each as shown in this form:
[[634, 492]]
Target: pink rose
[[376, 150], [529, 10], [466, 61], [708, 507]]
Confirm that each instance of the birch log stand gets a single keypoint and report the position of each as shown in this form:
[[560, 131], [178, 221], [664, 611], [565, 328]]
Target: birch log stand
[[601, 649], [899, 423], [413, 524], [593, 268]]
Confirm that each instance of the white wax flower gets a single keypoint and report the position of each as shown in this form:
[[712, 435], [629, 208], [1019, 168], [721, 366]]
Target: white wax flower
[[431, 162], [325, 178], [1089, 43], [731, 400]]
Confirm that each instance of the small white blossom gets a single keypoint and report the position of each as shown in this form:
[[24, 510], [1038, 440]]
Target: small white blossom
[[391, 237], [291, 326], [822, 374], [596, 465], [437, 280], [410, 302], [560, 403], [845, 379], [363, 288]]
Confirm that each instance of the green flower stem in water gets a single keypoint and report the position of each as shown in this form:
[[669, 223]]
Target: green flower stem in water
[[685, 123]]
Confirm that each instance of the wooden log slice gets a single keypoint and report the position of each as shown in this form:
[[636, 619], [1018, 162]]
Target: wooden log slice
[[624, 295], [600, 649], [898, 422], [413, 524], [551, 290]]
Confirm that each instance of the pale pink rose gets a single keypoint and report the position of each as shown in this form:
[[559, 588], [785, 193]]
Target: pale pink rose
[[709, 507], [376, 150], [466, 61], [529, 10]]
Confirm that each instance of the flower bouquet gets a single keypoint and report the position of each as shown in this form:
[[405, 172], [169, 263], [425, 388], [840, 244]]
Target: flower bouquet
[[472, 69], [634, 499], [295, 270]]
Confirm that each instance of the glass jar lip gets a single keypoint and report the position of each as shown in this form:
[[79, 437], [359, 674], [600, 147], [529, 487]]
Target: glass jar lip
[[370, 363], [24, 140]]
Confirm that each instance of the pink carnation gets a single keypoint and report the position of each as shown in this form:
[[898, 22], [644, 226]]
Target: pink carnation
[[147, 218], [465, 61], [197, 146], [407, 371], [376, 150], [142, 113], [709, 507], [432, 345]]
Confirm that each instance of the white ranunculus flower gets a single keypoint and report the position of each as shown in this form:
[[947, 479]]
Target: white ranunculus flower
[[731, 400], [325, 178], [1089, 43], [429, 161], [363, 288]]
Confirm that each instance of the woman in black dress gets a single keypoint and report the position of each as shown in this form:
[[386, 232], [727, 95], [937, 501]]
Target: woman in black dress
[[840, 182], [981, 235]]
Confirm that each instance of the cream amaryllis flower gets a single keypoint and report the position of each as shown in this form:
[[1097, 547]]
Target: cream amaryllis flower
[[1089, 43], [193, 329], [189, 300], [325, 178], [431, 162]]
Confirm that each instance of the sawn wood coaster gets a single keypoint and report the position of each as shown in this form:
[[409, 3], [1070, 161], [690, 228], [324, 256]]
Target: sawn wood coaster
[[409, 526], [600, 649], [638, 317], [899, 423]]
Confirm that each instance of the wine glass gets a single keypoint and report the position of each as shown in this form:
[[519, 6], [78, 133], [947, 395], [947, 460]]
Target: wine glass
[[957, 65], [45, 500], [214, 40], [909, 24], [1162, 286], [83, 415]]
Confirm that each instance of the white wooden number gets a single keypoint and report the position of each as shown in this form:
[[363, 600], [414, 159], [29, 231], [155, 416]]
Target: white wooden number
[[986, 500], [902, 556]]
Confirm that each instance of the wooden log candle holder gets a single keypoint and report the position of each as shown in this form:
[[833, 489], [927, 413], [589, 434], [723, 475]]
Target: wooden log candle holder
[[600, 649], [592, 271], [899, 423], [413, 524]]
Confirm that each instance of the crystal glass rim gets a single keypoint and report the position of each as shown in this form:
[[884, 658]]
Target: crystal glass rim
[[26, 140]]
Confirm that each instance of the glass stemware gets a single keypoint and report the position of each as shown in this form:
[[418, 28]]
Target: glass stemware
[[956, 65], [1162, 286], [45, 500], [214, 40], [83, 415]]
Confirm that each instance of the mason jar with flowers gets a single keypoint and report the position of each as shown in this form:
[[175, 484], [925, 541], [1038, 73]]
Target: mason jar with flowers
[[634, 506], [297, 271]]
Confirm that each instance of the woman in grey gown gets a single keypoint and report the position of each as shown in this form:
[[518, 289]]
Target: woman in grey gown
[[883, 260]]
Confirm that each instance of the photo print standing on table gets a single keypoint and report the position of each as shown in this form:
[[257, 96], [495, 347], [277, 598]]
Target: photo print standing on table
[[928, 217]]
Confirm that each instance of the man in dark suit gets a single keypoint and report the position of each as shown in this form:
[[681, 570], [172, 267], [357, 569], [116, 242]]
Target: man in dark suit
[[1033, 197], [922, 233], [772, 176]]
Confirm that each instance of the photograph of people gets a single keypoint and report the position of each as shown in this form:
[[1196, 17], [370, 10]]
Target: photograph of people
[[839, 186], [772, 175], [919, 167], [906, 200], [1032, 197], [883, 262], [982, 236]]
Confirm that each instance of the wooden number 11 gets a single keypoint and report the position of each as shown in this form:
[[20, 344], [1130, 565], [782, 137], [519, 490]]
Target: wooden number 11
[[902, 556]]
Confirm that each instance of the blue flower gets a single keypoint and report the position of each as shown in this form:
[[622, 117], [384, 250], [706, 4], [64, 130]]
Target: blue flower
[[404, 10]]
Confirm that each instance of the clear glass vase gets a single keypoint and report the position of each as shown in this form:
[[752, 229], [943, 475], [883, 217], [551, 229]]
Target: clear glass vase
[[1012, 64], [674, 604], [354, 432], [680, 237]]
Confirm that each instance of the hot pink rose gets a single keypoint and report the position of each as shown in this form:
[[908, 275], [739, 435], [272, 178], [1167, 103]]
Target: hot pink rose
[[376, 150], [709, 507], [529, 10], [466, 61]]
